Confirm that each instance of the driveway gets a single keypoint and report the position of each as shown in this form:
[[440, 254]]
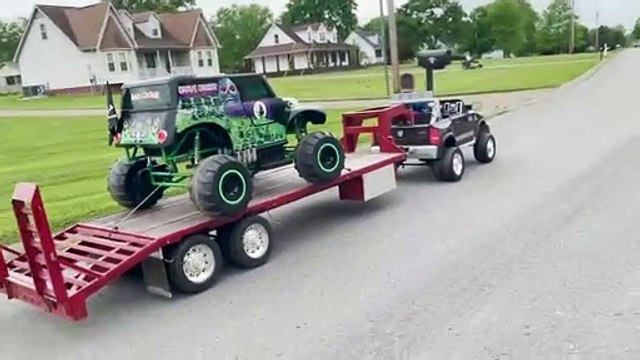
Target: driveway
[[536, 256]]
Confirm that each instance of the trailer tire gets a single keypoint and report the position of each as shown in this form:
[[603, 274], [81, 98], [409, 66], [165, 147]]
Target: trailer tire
[[221, 185], [247, 243], [451, 166], [319, 158], [484, 150], [130, 183], [194, 264]]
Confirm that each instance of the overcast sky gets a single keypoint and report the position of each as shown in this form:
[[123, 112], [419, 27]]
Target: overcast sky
[[612, 12]]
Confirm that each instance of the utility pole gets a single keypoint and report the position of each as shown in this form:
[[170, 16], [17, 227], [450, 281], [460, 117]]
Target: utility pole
[[393, 43], [572, 41], [385, 56], [597, 30]]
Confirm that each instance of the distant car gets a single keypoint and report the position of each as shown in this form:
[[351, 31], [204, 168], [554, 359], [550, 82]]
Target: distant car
[[436, 130]]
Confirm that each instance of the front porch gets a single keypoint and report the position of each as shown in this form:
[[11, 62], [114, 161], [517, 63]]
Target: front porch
[[159, 63], [305, 62]]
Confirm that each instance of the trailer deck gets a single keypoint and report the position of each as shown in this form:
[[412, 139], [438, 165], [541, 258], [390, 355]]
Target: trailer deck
[[59, 272]]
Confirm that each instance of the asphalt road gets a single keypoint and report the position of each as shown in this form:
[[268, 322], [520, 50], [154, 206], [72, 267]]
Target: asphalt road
[[536, 256]]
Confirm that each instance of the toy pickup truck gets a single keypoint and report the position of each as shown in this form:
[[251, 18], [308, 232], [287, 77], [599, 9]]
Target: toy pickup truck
[[436, 130]]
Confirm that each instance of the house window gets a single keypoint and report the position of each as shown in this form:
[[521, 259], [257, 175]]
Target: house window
[[43, 32], [210, 58], [276, 39], [379, 53], [155, 32], [13, 80], [309, 35], [322, 36], [111, 65], [124, 64], [200, 59]]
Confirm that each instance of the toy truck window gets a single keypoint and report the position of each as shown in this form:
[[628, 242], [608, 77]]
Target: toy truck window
[[147, 98], [253, 88]]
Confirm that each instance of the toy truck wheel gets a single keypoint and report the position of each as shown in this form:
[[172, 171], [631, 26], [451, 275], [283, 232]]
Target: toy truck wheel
[[319, 158], [451, 166], [484, 150], [246, 243], [130, 184], [194, 264], [221, 185]]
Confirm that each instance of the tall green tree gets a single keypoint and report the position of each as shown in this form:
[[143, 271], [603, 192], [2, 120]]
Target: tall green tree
[[635, 33], [239, 28], [531, 19], [508, 21], [10, 35], [479, 39], [340, 14], [437, 21], [153, 5], [408, 38], [555, 27]]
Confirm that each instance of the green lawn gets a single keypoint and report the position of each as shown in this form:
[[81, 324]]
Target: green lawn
[[69, 158], [497, 75]]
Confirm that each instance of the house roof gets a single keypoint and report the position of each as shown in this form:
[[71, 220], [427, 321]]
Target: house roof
[[89, 28], [365, 36], [301, 27], [297, 48], [298, 44]]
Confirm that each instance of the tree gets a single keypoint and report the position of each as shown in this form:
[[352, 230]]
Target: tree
[[479, 39], [437, 21], [531, 19], [153, 5], [508, 22], [555, 27], [10, 35], [408, 39], [340, 14], [239, 29], [635, 34]]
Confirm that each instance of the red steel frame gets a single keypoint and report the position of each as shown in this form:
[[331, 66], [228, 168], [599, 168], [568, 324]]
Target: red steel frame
[[58, 273]]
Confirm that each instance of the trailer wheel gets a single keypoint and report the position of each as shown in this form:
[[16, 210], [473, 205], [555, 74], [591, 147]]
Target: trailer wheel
[[130, 184], [221, 185], [319, 158], [451, 166], [247, 243], [194, 264], [484, 150]]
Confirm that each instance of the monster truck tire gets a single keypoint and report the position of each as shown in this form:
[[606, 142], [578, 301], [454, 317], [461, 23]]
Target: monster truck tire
[[319, 158], [246, 243], [130, 184], [484, 150], [451, 166], [221, 185]]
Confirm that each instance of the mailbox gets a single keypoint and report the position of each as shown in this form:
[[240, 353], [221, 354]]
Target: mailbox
[[434, 59]]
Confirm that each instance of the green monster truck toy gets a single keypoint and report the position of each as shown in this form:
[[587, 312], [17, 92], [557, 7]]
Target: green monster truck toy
[[211, 135]]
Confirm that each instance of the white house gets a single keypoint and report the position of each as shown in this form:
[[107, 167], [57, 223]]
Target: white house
[[10, 78], [70, 49], [301, 48], [370, 45]]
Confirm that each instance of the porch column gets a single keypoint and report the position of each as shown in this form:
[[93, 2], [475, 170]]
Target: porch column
[[170, 60], [157, 62]]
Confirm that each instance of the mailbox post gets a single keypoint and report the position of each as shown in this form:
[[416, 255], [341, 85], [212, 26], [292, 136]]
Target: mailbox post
[[434, 60]]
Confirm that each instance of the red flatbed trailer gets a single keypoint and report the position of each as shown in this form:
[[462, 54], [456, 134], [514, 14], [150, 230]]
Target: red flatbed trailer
[[59, 272]]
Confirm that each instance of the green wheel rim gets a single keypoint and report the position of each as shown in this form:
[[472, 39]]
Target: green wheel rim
[[221, 191], [337, 155]]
